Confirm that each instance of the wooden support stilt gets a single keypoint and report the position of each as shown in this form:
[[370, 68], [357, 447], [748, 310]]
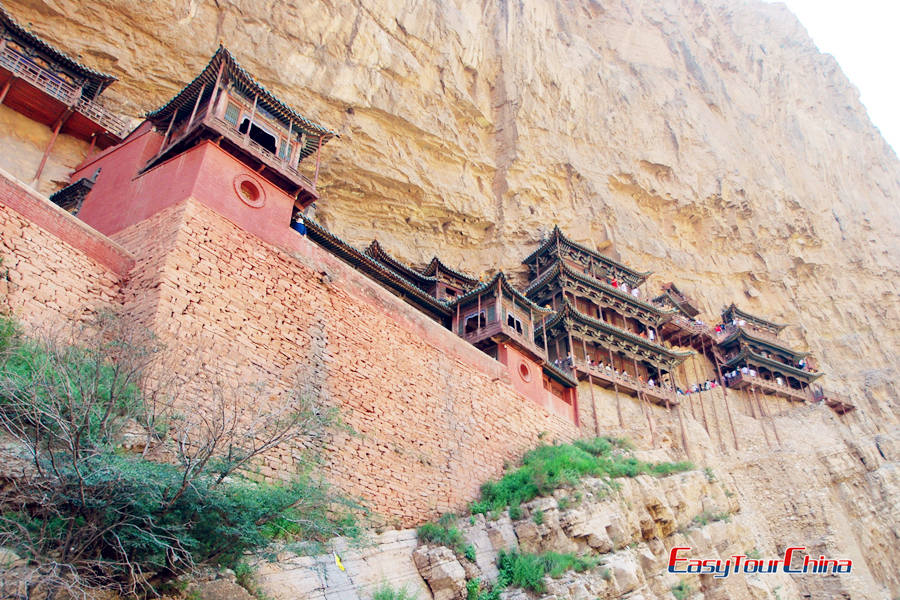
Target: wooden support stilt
[[318, 161], [725, 399], [699, 396], [715, 412], [684, 439], [765, 413], [591, 383], [56, 128], [5, 89], [644, 407], [612, 363]]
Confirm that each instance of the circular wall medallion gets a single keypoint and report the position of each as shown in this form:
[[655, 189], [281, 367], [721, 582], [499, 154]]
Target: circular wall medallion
[[524, 372], [249, 191]]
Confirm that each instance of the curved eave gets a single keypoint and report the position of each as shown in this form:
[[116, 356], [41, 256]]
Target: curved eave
[[239, 76], [99, 81], [765, 324], [559, 375], [499, 279], [569, 312], [587, 279], [376, 252], [774, 365], [742, 333], [371, 267], [436, 265], [558, 237]]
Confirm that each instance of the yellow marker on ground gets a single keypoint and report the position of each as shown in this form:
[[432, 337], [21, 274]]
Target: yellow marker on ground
[[337, 561]]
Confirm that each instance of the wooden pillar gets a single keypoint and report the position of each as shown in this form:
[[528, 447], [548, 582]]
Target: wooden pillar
[[725, 399], [457, 327], [478, 315], [196, 106], [56, 128], [591, 383], [544, 335], [699, 396], [168, 131], [214, 97], [687, 385], [612, 364], [318, 158], [643, 400], [714, 411], [763, 413], [5, 89], [252, 116], [684, 440]]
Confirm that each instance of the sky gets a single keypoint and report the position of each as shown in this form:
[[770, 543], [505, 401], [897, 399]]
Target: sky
[[863, 37]]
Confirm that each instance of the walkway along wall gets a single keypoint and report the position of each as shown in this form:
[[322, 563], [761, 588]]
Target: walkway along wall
[[433, 416]]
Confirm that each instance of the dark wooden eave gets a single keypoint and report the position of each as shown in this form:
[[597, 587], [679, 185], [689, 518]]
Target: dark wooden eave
[[96, 81], [426, 303], [183, 102], [569, 318], [733, 312], [741, 334], [748, 356], [565, 277], [439, 270], [557, 240]]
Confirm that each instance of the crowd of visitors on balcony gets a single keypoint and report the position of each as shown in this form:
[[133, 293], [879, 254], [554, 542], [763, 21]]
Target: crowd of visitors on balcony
[[624, 287]]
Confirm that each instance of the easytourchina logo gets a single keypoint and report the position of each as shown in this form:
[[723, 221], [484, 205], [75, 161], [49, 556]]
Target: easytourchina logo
[[795, 562]]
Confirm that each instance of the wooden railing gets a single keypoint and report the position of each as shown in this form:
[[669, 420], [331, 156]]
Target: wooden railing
[[236, 137], [52, 85], [744, 380], [655, 393], [497, 328], [840, 403], [99, 115], [39, 77]]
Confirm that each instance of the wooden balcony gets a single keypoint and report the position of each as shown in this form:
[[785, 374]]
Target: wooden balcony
[[84, 118], [276, 169], [767, 386], [496, 331], [839, 403], [608, 379]]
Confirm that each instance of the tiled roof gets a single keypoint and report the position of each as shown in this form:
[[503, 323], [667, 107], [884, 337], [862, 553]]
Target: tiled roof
[[241, 78], [98, 81]]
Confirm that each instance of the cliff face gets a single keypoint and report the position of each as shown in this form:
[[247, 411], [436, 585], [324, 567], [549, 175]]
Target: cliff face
[[708, 140]]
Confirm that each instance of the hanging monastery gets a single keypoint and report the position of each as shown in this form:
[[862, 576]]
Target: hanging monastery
[[198, 222]]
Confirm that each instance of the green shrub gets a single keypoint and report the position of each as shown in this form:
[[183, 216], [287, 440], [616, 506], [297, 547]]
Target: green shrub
[[386, 592], [469, 553], [706, 517], [528, 570], [475, 591], [681, 590], [99, 514], [515, 513], [538, 517], [547, 468], [710, 476], [435, 533], [754, 554]]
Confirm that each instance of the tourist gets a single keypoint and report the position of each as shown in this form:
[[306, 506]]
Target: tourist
[[652, 335], [650, 382], [745, 370], [636, 292]]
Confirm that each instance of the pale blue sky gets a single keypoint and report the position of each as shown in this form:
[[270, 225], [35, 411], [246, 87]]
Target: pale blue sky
[[864, 37]]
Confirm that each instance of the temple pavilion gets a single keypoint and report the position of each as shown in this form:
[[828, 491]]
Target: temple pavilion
[[751, 348], [602, 330], [225, 104], [50, 87]]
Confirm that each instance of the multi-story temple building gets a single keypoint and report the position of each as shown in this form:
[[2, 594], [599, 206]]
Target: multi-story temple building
[[751, 349], [602, 328]]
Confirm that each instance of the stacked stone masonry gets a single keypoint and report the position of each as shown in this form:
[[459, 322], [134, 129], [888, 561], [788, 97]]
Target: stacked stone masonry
[[432, 417]]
